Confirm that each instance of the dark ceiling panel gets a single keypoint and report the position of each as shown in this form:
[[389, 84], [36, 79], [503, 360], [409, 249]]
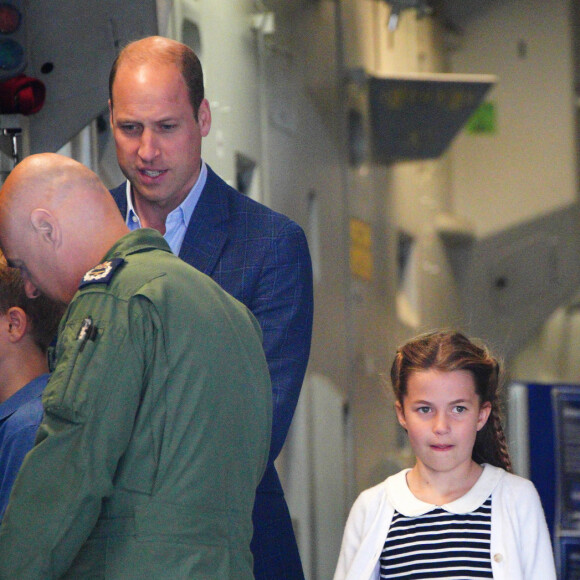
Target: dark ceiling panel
[[459, 12], [71, 46]]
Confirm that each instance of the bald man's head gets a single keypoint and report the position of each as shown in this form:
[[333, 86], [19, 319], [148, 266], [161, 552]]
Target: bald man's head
[[57, 220]]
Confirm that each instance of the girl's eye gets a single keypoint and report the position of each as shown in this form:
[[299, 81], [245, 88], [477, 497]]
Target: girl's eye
[[459, 408], [423, 410]]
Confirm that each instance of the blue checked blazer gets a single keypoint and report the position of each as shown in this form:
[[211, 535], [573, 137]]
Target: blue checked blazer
[[261, 258]]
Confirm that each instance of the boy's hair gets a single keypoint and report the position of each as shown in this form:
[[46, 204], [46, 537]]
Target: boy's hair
[[452, 351], [43, 314]]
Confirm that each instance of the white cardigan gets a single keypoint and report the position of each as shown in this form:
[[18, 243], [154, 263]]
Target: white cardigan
[[520, 541]]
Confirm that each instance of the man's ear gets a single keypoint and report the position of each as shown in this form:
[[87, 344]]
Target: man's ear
[[204, 118], [46, 226], [17, 323]]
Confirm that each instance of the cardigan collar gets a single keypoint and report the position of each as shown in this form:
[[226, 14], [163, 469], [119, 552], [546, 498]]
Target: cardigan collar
[[407, 504]]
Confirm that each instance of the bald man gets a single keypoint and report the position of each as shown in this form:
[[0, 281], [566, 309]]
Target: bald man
[[158, 412]]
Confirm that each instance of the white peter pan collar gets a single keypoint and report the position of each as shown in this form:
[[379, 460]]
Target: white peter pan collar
[[407, 504]]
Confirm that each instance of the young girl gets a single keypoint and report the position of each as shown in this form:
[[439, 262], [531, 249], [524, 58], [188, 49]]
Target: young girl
[[458, 513]]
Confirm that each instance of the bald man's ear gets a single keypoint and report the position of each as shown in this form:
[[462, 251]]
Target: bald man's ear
[[46, 226]]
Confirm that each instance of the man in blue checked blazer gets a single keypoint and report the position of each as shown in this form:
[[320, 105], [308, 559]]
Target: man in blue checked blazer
[[159, 116]]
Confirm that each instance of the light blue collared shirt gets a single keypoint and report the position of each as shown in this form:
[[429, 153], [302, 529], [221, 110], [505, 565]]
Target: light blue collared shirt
[[177, 220]]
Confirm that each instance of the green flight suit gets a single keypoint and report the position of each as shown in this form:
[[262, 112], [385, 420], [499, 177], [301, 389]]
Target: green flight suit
[[156, 433]]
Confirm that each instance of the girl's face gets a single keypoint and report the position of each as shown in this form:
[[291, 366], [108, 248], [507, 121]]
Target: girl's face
[[442, 415]]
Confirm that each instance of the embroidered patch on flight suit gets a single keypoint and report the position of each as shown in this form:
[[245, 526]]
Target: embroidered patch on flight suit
[[102, 273]]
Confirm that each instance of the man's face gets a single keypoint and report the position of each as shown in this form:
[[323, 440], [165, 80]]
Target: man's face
[[157, 137], [43, 269]]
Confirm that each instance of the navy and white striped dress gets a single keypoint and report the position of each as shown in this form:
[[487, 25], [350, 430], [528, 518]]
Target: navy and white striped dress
[[429, 541], [439, 544]]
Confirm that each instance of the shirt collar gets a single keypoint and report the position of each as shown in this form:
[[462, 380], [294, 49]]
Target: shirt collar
[[407, 504], [181, 214]]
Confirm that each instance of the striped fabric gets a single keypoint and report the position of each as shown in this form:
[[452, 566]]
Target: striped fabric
[[439, 544]]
